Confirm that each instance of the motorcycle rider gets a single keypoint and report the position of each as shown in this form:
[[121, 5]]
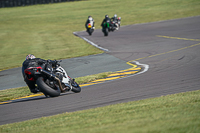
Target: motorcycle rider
[[115, 20], [32, 61], [105, 20], [88, 21]]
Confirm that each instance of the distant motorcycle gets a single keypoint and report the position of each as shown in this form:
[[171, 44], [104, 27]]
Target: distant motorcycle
[[52, 80], [90, 28], [106, 27], [115, 24], [119, 23]]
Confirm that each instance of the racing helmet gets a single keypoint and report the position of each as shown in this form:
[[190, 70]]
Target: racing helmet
[[30, 56], [115, 15], [106, 16], [90, 18]]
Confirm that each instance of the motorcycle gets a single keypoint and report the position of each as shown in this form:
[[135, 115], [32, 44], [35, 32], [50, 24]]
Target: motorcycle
[[116, 24], [52, 79], [106, 27], [90, 28]]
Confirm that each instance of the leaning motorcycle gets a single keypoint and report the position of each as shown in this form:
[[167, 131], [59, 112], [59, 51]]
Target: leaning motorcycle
[[116, 24], [52, 79], [106, 27], [90, 28]]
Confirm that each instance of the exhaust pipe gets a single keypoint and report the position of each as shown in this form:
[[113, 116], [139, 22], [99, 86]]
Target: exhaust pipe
[[56, 78]]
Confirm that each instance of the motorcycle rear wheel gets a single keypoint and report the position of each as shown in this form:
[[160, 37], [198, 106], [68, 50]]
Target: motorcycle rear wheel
[[44, 88]]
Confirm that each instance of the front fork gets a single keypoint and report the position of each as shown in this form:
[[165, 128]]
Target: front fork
[[66, 80]]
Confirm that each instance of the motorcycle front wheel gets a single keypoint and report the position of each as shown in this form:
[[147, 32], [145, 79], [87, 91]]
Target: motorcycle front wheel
[[90, 31], [106, 32], [47, 90], [75, 87]]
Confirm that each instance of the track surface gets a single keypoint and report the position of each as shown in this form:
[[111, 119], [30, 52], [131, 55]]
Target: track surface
[[170, 48]]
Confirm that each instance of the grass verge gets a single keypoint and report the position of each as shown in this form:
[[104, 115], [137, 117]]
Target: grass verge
[[172, 113]]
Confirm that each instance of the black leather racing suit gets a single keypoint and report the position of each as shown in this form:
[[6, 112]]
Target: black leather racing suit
[[114, 19], [32, 63], [105, 20], [87, 22]]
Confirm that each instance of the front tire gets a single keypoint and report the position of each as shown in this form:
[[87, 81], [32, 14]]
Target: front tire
[[75, 87], [90, 32], [44, 88], [106, 32]]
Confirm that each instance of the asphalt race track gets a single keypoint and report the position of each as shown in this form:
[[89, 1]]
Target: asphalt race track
[[170, 48]]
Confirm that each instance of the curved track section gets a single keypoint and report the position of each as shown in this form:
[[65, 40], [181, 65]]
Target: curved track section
[[170, 48]]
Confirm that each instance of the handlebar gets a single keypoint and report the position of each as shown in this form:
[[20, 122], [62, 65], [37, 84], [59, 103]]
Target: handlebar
[[54, 62]]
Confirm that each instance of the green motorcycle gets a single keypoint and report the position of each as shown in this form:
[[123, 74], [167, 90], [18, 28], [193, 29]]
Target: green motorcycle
[[106, 27]]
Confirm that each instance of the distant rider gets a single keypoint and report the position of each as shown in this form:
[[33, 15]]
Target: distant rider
[[89, 20], [105, 20], [115, 20]]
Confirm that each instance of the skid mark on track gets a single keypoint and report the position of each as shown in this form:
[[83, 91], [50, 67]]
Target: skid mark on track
[[187, 39]]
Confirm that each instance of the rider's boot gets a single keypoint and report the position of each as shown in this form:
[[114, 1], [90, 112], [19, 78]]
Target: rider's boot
[[35, 90]]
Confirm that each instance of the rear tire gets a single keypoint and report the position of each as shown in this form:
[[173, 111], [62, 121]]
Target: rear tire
[[44, 88]]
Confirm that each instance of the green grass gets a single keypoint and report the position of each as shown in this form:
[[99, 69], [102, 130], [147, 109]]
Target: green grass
[[9, 94], [178, 113], [46, 30], [89, 78]]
